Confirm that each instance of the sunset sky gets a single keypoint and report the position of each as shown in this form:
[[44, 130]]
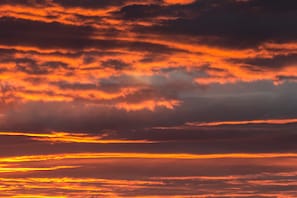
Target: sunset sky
[[148, 98]]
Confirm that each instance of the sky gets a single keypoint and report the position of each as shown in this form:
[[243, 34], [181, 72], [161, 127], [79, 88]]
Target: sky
[[151, 98]]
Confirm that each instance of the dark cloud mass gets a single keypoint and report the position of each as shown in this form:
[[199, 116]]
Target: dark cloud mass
[[89, 3], [115, 64], [273, 62], [231, 23], [40, 34], [23, 2]]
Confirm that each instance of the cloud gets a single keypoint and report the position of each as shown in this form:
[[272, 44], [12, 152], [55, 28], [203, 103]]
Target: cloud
[[115, 64], [30, 66], [276, 62], [24, 2], [90, 4], [232, 24], [125, 98], [148, 104], [281, 79], [39, 34]]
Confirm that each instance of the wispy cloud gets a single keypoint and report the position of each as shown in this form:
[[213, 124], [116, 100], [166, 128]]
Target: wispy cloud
[[243, 122]]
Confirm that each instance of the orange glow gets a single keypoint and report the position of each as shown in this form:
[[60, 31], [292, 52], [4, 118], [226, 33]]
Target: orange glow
[[71, 137], [271, 121], [92, 186], [81, 180], [144, 156], [179, 1], [22, 169], [149, 105], [36, 196], [207, 81]]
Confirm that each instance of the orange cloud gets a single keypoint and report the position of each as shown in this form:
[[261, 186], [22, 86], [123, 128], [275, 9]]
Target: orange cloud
[[148, 104], [179, 1], [36, 196], [269, 121], [18, 159], [23, 169], [72, 138]]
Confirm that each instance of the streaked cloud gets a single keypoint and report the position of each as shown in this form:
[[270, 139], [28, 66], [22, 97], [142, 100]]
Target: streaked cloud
[[71, 138], [243, 122]]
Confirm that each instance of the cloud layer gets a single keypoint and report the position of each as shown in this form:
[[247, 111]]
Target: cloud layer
[[124, 85]]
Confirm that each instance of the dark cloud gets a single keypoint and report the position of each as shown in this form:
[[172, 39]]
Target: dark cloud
[[140, 12], [112, 84], [57, 35], [276, 62], [226, 23], [30, 66], [115, 64], [24, 2], [286, 78], [272, 5], [6, 56], [7, 53], [75, 86], [42, 35], [231, 23], [90, 4]]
